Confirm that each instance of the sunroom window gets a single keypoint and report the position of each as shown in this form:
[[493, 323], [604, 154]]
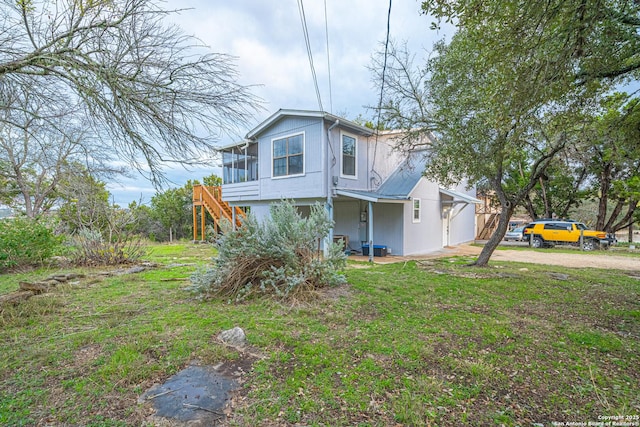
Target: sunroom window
[[240, 163]]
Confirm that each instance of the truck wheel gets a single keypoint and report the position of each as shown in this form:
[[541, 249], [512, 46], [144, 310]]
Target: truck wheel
[[590, 244], [537, 242]]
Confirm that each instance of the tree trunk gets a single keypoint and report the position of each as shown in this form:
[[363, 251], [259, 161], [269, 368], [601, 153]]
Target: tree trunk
[[530, 208], [545, 200], [496, 237], [170, 234], [608, 227], [627, 219], [604, 197]]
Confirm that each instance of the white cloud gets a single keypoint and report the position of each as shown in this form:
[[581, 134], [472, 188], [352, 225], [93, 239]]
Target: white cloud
[[267, 39]]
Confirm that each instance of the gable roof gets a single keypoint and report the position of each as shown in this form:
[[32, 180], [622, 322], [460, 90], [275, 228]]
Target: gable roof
[[398, 185], [405, 178], [401, 183], [353, 127]]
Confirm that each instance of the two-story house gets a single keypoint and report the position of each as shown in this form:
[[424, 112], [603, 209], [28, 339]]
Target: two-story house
[[375, 194]]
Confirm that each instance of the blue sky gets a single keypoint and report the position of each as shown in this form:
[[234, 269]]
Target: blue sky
[[268, 42]]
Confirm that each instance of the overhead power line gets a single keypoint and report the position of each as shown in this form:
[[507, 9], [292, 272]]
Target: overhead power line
[[326, 31], [384, 72], [305, 31], [384, 66]]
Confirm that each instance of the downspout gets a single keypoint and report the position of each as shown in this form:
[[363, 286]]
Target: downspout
[[329, 188], [233, 217]]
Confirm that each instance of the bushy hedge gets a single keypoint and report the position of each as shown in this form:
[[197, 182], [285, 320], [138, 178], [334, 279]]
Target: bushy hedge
[[280, 256], [89, 247], [26, 242]]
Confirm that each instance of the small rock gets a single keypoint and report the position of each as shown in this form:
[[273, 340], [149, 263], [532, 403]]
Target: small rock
[[559, 276], [234, 337]]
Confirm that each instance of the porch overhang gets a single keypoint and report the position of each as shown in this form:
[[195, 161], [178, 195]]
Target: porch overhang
[[458, 198], [370, 196]]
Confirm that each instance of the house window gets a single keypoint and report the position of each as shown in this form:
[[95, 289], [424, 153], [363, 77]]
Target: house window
[[240, 164], [288, 155], [416, 210], [349, 147]]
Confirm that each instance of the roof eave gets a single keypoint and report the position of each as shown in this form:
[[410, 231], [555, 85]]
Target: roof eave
[[307, 113]]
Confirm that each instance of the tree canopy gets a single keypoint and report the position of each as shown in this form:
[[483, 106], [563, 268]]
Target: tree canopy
[[598, 39], [517, 83]]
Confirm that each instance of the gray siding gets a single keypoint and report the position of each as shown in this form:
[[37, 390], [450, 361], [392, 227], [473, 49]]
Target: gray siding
[[310, 185], [387, 226], [376, 159], [241, 191], [346, 215]]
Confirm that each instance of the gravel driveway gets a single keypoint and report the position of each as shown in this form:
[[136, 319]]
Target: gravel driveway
[[552, 257]]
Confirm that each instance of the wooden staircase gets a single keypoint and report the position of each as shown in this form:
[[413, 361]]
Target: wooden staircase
[[489, 227], [210, 200]]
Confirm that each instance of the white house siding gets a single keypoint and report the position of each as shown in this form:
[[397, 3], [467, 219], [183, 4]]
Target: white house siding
[[376, 162], [424, 236], [387, 223], [383, 157], [463, 226]]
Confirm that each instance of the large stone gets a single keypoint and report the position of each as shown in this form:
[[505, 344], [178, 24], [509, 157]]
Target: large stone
[[234, 337], [195, 396]]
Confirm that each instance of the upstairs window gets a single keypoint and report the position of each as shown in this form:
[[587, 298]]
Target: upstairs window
[[288, 155], [349, 148]]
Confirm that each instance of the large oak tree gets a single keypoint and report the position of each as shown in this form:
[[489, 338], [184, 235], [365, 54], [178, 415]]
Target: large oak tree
[[511, 89]]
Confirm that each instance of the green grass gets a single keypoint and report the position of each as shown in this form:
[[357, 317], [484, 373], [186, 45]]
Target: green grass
[[433, 343]]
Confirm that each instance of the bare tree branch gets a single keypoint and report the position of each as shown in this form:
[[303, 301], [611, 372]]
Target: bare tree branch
[[145, 88]]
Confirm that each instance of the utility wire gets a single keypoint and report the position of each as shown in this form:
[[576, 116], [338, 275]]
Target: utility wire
[[326, 31], [305, 31], [384, 66], [384, 72]]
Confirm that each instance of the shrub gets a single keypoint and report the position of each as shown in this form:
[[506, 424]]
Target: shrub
[[26, 242], [113, 244], [280, 256], [91, 248]]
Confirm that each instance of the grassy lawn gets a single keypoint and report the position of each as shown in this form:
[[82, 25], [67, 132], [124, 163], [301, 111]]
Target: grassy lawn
[[427, 343]]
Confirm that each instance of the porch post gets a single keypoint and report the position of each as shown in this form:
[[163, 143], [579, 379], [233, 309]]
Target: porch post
[[233, 217], [329, 237], [203, 219], [195, 224], [370, 231]]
